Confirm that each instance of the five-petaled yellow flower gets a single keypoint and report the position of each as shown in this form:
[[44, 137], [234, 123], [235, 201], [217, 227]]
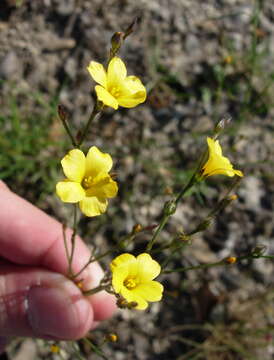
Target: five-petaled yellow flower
[[115, 87], [217, 163], [88, 181], [132, 277]]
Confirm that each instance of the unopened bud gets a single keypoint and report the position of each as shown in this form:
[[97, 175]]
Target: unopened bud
[[62, 112], [228, 59], [168, 190], [116, 41], [79, 284], [170, 207], [231, 260], [132, 27], [111, 337], [184, 237], [203, 225], [233, 197], [222, 124], [137, 228], [259, 250], [54, 349]]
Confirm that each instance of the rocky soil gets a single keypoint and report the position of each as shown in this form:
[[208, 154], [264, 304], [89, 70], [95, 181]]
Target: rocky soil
[[199, 60]]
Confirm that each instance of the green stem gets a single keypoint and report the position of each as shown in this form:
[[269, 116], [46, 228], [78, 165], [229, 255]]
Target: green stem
[[165, 217], [94, 290], [65, 241], [96, 111], [218, 263], [116, 248], [157, 232], [73, 240], [66, 127], [96, 349]]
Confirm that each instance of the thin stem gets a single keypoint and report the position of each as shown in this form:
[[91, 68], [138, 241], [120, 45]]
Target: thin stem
[[65, 241], [218, 263], [96, 111], [115, 248], [157, 232], [94, 290], [165, 217], [66, 127], [73, 240], [96, 349], [195, 267]]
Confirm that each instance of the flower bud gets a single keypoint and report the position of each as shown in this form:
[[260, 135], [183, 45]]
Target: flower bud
[[116, 41], [111, 337], [231, 260], [54, 349], [62, 112], [132, 27], [137, 228], [259, 250], [222, 124], [203, 225], [170, 207]]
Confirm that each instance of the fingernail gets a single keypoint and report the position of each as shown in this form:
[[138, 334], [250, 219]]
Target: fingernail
[[56, 312]]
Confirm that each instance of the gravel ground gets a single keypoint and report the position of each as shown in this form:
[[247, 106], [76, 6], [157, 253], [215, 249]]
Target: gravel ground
[[191, 55]]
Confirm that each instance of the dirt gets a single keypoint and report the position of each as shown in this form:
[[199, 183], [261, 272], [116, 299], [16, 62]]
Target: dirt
[[180, 49]]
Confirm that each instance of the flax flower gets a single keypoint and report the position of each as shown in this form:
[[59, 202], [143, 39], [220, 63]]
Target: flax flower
[[217, 163], [115, 87], [88, 181], [132, 277]]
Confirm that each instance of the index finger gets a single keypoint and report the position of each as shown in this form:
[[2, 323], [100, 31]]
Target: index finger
[[28, 236]]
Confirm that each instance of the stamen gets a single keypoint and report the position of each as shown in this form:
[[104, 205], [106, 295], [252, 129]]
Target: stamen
[[130, 283]]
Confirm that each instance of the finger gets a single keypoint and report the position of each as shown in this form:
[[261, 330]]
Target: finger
[[39, 303], [28, 236], [3, 343]]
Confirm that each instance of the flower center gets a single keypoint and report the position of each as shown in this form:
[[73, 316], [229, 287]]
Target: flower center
[[87, 182], [115, 91], [130, 283]]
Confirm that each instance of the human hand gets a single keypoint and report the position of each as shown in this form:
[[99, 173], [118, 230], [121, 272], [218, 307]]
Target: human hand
[[36, 299]]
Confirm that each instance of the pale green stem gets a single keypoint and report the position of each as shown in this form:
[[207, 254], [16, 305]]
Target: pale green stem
[[66, 127], [218, 263], [73, 236], [94, 290], [95, 112]]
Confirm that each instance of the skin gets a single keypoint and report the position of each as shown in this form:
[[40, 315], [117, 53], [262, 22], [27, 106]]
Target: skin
[[36, 299]]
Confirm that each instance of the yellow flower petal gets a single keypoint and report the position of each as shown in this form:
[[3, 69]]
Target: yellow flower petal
[[214, 146], [92, 206], [103, 187], [124, 259], [74, 165], [148, 268], [134, 85], [238, 173], [97, 162], [217, 164], [116, 72], [70, 192], [106, 98], [132, 101], [132, 92], [98, 73], [150, 291], [131, 296], [118, 278]]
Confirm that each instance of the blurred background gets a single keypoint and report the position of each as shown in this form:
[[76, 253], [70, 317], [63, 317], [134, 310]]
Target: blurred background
[[199, 61]]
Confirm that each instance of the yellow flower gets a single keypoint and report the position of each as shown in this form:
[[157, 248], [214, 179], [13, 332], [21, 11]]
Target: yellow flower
[[88, 181], [217, 163], [133, 278], [115, 87]]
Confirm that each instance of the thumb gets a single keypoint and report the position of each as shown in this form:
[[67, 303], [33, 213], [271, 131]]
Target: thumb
[[39, 303]]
